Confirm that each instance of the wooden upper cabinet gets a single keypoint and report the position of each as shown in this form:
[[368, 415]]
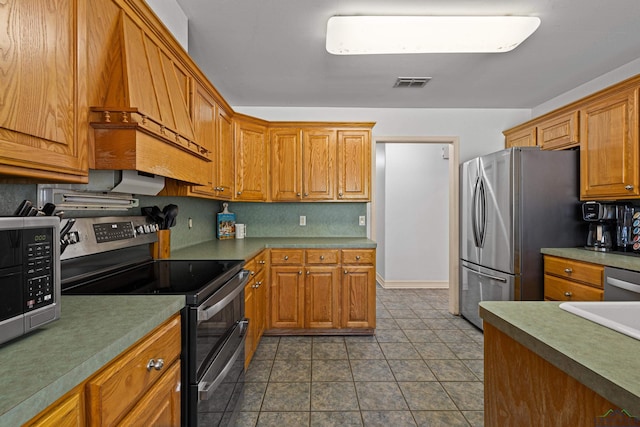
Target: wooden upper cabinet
[[43, 113], [319, 164], [204, 113], [560, 132], [303, 165], [223, 163], [251, 158], [354, 164], [521, 137], [286, 164], [609, 147]]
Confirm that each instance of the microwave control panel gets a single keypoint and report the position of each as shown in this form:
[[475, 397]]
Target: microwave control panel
[[38, 274]]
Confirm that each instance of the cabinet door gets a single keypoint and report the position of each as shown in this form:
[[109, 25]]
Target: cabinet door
[[560, 132], [358, 297], [609, 148], [250, 313], [287, 297], [286, 167], [521, 137], [322, 297], [204, 123], [251, 162], [224, 170], [66, 412], [43, 112], [354, 165], [319, 164], [160, 406]]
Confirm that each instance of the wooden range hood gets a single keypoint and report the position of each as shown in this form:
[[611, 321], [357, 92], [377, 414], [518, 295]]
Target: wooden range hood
[[144, 123]]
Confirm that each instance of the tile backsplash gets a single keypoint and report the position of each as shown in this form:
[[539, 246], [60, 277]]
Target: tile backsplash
[[262, 219]]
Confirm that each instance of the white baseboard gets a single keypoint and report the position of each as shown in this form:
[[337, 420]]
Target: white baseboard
[[412, 284]]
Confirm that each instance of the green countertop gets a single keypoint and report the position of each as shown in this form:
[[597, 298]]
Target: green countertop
[[248, 248], [604, 360], [37, 369], [628, 262]]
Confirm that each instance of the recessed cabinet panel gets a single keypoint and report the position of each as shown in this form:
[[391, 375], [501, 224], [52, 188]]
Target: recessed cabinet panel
[[609, 148], [286, 166], [251, 161], [319, 164], [354, 165]]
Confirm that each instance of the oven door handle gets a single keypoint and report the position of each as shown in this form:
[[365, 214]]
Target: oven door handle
[[207, 312], [205, 389]]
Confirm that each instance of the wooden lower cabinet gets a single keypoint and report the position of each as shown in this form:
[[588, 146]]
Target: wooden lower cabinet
[[523, 389], [68, 411], [570, 280], [255, 302], [325, 291], [127, 391]]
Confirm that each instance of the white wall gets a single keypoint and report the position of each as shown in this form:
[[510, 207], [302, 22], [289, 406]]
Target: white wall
[[380, 197], [605, 80], [416, 216], [173, 17]]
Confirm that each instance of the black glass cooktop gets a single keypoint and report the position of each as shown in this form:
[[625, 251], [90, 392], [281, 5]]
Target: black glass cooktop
[[167, 277]]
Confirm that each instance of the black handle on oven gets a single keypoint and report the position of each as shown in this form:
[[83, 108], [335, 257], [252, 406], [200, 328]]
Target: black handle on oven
[[205, 389], [232, 289]]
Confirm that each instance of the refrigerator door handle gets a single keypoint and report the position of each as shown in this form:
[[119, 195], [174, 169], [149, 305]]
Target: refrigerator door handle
[[488, 276], [474, 212], [483, 211]]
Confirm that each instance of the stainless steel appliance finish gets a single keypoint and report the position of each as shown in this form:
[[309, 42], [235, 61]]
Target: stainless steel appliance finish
[[111, 256], [29, 274], [512, 203], [621, 285]]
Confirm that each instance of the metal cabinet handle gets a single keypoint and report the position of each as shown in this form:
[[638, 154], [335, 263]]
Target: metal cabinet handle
[[346, 272], [628, 187], [340, 194], [239, 193], [262, 262], [298, 194], [357, 257], [253, 272], [286, 257], [155, 364], [568, 294], [300, 273], [306, 194], [308, 272], [321, 257], [568, 270]]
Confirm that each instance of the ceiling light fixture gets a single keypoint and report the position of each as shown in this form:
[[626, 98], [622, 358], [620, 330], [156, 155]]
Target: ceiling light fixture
[[366, 35]]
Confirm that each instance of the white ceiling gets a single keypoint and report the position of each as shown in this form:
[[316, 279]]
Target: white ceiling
[[272, 53]]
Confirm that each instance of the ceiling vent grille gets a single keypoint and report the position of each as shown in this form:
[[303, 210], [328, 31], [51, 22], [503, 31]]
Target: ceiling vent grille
[[415, 82]]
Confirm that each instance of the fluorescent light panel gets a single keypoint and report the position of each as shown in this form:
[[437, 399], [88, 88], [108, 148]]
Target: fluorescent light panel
[[366, 35]]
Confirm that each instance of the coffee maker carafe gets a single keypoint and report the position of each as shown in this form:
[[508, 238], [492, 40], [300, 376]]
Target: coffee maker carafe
[[602, 230]]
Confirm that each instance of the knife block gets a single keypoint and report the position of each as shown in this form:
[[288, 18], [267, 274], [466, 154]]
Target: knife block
[[162, 248]]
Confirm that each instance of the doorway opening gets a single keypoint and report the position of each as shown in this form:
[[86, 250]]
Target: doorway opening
[[450, 152]]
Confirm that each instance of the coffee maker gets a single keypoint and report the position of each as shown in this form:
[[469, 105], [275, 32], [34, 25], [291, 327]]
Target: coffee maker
[[602, 225]]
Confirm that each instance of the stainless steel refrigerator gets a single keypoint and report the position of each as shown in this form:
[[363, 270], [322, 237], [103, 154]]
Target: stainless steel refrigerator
[[514, 202]]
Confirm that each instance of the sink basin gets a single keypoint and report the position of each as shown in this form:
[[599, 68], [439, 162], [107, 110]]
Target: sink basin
[[621, 316]]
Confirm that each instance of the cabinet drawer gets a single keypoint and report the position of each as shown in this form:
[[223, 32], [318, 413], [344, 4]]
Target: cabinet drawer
[[558, 289], [260, 260], [574, 270], [358, 256], [117, 388], [323, 256], [287, 256]]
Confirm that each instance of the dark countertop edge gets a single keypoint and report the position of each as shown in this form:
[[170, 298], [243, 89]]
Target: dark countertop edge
[[607, 259], [596, 382], [39, 401]]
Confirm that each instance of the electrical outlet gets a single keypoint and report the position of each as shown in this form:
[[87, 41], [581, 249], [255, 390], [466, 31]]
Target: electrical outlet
[[362, 220], [303, 220]]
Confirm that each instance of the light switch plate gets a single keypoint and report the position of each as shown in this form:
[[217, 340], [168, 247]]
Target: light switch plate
[[362, 220], [303, 220]]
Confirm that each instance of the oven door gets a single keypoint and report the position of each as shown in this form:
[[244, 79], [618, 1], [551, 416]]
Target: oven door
[[214, 355]]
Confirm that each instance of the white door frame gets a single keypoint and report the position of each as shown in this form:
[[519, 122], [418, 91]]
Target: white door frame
[[454, 205]]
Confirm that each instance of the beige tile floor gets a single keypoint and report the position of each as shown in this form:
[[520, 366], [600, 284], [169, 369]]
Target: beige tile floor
[[424, 367]]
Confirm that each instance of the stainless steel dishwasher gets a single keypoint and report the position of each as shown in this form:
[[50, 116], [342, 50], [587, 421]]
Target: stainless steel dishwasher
[[621, 285]]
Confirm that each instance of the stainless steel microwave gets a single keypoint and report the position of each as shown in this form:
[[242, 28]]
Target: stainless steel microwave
[[29, 274]]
